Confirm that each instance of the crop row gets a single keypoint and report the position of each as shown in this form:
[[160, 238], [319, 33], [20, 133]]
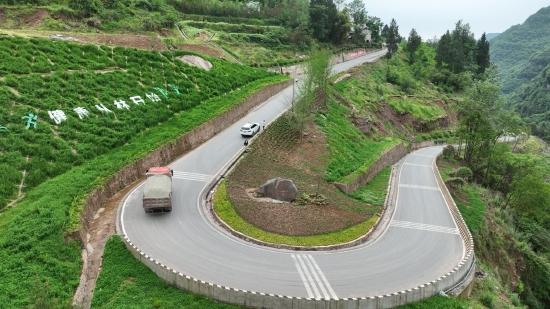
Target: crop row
[[50, 123], [232, 28]]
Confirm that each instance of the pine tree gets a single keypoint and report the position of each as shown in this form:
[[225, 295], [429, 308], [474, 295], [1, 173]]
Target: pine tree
[[482, 54], [385, 32], [393, 38], [413, 43], [442, 56]]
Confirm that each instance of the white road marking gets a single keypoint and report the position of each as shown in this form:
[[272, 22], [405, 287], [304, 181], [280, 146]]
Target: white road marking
[[421, 155], [418, 165], [309, 293], [325, 281], [308, 268], [402, 185], [192, 176], [424, 227]]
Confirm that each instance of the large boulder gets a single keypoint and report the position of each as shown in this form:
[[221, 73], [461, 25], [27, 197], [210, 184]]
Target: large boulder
[[363, 124], [279, 189]]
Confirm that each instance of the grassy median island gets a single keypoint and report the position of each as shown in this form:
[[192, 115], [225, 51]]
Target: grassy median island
[[321, 214]]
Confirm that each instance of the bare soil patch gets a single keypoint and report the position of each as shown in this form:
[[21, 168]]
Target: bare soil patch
[[196, 61], [302, 162], [36, 18], [143, 42]]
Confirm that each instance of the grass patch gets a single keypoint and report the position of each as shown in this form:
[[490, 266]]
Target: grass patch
[[375, 191], [125, 282], [445, 173], [351, 152], [416, 109], [227, 213], [438, 302], [474, 211]]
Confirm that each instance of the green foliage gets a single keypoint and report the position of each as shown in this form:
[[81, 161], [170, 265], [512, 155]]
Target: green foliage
[[473, 212], [322, 14], [413, 42], [393, 38], [448, 152], [125, 282], [375, 191], [513, 50], [352, 153], [464, 173], [532, 102], [437, 302]]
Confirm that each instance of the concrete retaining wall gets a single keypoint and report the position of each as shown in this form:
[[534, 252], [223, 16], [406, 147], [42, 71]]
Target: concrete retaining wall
[[253, 299], [390, 157]]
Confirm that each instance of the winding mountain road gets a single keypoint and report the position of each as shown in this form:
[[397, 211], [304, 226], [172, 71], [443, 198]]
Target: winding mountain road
[[420, 243]]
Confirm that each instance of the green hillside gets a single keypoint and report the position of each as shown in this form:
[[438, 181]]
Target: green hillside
[[85, 100], [532, 102], [513, 49]]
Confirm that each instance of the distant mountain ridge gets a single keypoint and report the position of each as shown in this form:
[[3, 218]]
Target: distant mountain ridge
[[513, 49], [490, 36]]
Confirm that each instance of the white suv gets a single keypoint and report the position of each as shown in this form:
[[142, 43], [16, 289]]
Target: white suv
[[249, 129]]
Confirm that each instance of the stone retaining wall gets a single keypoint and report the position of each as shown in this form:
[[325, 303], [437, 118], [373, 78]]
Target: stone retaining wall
[[169, 152]]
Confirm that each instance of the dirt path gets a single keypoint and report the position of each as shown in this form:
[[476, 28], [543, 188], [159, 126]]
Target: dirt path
[[101, 229]]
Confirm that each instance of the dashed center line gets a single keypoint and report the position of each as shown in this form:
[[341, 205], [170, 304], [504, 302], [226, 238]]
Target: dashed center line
[[421, 155], [424, 227], [314, 280], [192, 176], [423, 165], [402, 185]]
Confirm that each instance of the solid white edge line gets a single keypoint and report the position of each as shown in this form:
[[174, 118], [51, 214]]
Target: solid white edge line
[[323, 277], [124, 207], [304, 281]]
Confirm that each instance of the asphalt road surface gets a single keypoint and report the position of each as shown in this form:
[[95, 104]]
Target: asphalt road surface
[[420, 244]]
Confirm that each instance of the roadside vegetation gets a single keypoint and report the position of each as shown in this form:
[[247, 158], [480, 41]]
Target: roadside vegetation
[[125, 282], [36, 235]]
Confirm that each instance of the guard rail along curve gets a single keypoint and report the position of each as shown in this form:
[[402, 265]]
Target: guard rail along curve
[[253, 299]]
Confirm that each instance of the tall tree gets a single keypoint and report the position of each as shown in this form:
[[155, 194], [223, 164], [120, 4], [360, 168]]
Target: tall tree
[[482, 54], [385, 32], [340, 28], [413, 43], [374, 24], [393, 38], [322, 14], [443, 51], [462, 48], [357, 12]]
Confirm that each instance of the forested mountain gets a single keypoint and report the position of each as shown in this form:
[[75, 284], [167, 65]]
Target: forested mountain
[[513, 50], [532, 101]]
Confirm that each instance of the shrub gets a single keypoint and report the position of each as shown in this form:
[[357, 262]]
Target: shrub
[[487, 299], [464, 173]]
